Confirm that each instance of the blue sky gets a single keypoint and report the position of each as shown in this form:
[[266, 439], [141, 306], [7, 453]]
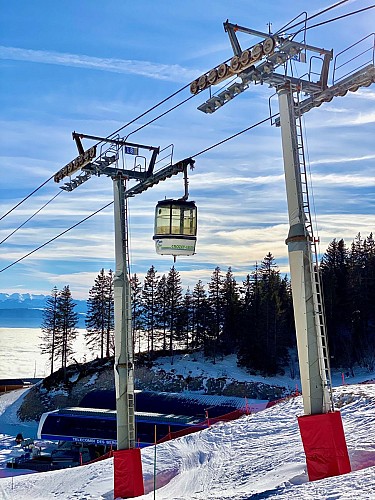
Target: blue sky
[[93, 66]]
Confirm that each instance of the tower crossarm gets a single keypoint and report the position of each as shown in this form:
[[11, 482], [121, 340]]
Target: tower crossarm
[[361, 78], [160, 175], [258, 62]]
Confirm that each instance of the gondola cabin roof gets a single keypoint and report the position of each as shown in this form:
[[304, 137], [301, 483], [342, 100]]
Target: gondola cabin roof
[[179, 202]]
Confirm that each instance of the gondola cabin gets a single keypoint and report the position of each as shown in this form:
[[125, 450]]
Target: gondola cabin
[[175, 227]]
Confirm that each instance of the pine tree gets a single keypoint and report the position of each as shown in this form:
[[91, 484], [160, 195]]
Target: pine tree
[[174, 296], [215, 298], [231, 310], [251, 352], [335, 271], [200, 317], [348, 279], [50, 327], [100, 315], [266, 329], [285, 321], [185, 319], [363, 334], [149, 301], [67, 320], [357, 265], [110, 333], [246, 292], [271, 312], [162, 308], [370, 286], [137, 309]]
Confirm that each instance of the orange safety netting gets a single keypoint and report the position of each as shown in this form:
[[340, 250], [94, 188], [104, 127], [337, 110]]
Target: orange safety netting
[[109, 454]]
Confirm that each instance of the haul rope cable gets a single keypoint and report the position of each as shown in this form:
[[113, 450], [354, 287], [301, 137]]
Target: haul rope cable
[[110, 203], [40, 209], [286, 26], [174, 94], [334, 19], [27, 220], [55, 237], [108, 137], [174, 107]]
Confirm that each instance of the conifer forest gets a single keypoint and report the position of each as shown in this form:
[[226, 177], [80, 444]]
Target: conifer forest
[[252, 318]]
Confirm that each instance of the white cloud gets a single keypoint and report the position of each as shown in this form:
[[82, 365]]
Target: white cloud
[[362, 118], [344, 180], [239, 186], [170, 72], [211, 179], [342, 159]]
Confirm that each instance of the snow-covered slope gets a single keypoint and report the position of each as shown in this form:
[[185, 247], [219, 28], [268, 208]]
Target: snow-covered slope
[[256, 457]]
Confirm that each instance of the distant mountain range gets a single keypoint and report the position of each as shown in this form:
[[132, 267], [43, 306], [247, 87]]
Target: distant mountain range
[[25, 310]]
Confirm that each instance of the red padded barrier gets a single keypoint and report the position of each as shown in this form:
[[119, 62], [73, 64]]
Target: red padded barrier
[[128, 478], [324, 443]]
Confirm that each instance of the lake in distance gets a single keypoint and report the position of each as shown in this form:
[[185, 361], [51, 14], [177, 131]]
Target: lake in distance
[[21, 357]]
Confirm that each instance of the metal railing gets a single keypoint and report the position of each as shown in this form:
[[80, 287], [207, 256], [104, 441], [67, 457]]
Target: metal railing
[[360, 53]]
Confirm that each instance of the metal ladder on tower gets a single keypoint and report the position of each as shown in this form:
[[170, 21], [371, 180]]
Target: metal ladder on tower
[[130, 394], [317, 289]]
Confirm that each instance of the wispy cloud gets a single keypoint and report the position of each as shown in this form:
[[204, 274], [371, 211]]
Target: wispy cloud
[[363, 119], [364, 93], [345, 180], [170, 72], [346, 119], [342, 159]]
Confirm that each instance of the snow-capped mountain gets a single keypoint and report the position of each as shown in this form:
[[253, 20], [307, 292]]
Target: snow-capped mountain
[[25, 310], [22, 300]]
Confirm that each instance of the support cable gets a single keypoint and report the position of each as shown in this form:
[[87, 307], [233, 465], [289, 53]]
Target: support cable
[[27, 197], [235, 135], [111, 135], [160, 116], [286, 26], [186, 86], [146, 112], [56, 237], [110, 203], [27, 220], [335, 19]]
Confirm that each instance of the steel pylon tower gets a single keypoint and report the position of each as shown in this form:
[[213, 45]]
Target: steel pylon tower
[[128, 479], [124, 358], [321, 427], [305, 279], [258, 65]]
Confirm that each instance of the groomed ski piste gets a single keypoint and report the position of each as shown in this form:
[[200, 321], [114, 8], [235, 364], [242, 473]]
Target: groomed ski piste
[[255, 457]]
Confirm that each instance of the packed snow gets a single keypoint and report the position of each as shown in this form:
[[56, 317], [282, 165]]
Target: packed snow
[[196, 365], [257, 456]]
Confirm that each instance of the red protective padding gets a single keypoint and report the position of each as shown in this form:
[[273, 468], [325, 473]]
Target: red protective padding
[[128, 478], [324, 443]]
